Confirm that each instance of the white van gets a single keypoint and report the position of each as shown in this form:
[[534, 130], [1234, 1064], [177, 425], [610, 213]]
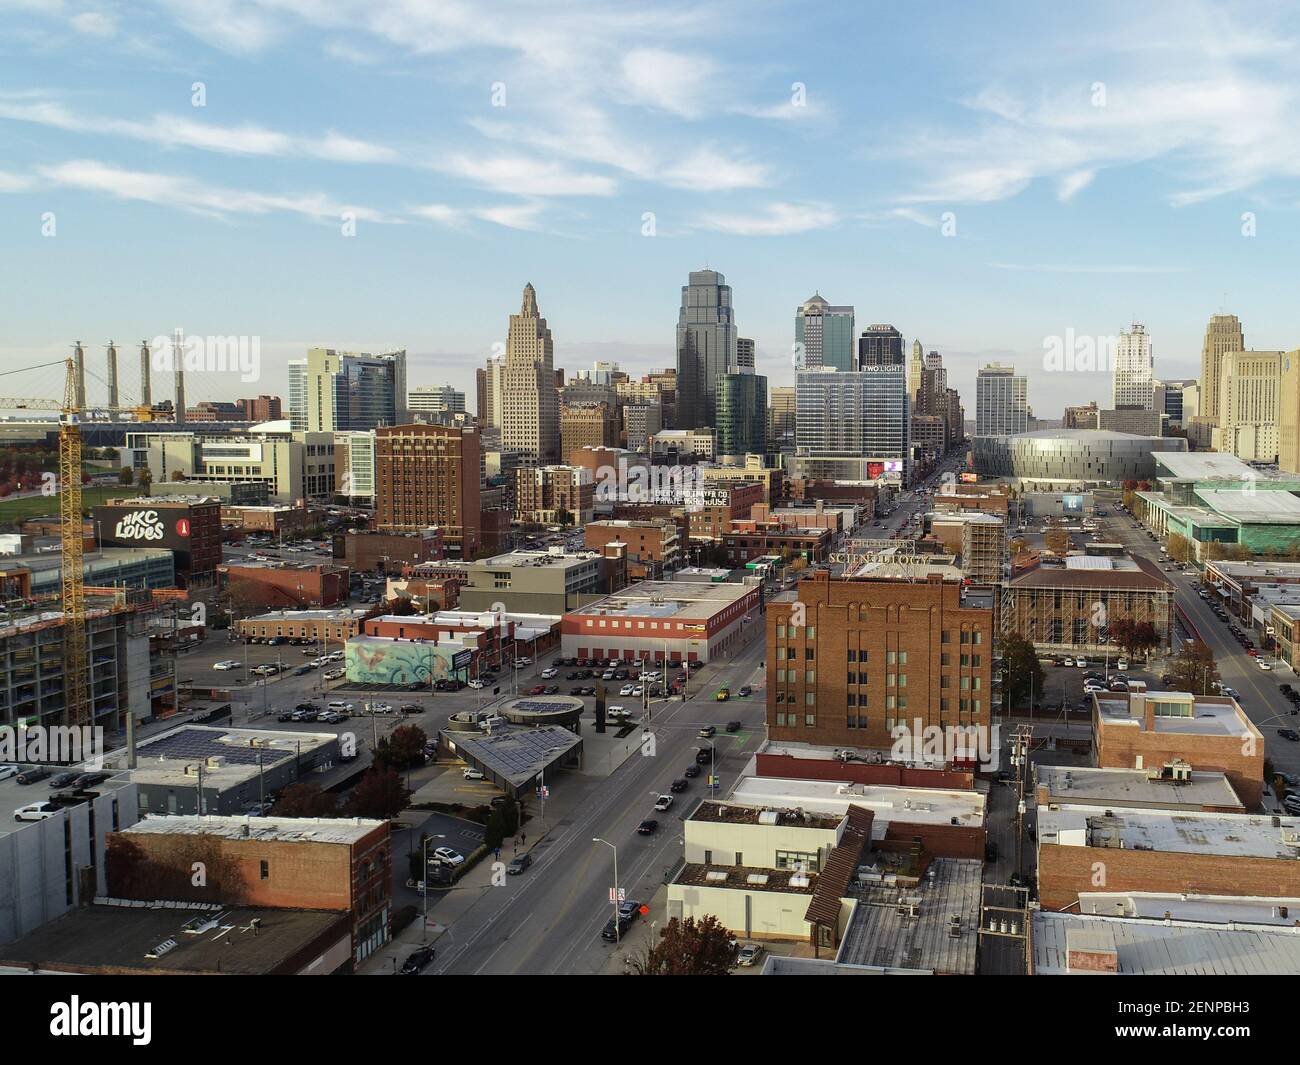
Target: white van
[[339, 705]]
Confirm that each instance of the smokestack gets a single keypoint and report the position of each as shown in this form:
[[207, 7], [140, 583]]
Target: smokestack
[[178, 368], [112, 374], [79, 373], [146, 393]]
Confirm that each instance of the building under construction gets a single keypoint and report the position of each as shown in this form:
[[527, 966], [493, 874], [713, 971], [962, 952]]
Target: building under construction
[[1070, 608]]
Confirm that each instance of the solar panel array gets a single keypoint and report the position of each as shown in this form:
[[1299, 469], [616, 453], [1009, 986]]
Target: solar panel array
[[197, 745]]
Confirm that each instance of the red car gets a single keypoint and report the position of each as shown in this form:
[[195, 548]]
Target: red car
[[536, 691]]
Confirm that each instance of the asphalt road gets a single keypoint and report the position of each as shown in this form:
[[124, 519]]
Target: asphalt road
[[548, 921], [1257, 688]]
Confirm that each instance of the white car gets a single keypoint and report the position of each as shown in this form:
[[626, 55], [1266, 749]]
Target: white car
[[1082, 663], [227, 664], [749, 954], [476, 683], [335, 674], [471, 773], [446, 854], [525, 661], [547, 674], [382, 708], [1262, 664], [617, 711], [1122, 664], [626, 690], [663, 802], [7, 771], [35, 811]]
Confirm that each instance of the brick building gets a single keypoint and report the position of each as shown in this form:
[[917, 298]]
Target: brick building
[[1164, 851], [653, 547], [387, 552], [338, 864], [324, 626], [430, 475], [261, 409], [850, 658], [1146, 730], [587, 425], [716, 508], [748, 540], [188, 526], [285, 584], [549, 493], [276, 520]]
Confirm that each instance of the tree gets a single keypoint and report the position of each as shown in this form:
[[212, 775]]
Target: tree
[[1212, 551], [380, 794], [1022, 674], [1134, 637], [1194, 670], [502, 823], [404, 749], [689, 948], [1180, 548], [1018, 544], [146, 478], [305, 800], [1239, 553], [126, 475], [563, 518], [1057, 540]]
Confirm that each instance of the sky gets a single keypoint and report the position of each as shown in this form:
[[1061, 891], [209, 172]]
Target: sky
[[370, 175]]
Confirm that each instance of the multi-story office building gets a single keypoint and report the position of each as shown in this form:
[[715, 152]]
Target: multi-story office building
[[354, 466], [430, 475], [554, 493], [436, 399], [852, 425], [298, 395], [915, 366], [641, 421], [781, 414], [1288, 413], [1084, 417], [1248, 405], [745, 353], [188, 526], [742, 415], [826, 334], [848, 659], [587, 425], [349, 391], [1001, 401], [488, 381], [1134, 379], [1175, 400], [261, 409], [530, 400], [1222, 335], [706, 346], [880, 345]]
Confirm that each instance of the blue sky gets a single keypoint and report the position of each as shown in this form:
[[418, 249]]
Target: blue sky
[[1094, 167]]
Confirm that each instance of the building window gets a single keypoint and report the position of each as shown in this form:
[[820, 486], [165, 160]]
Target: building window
[[800, 860], [266, 870]]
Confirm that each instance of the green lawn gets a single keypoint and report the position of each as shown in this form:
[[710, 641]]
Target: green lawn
[[16, 511]]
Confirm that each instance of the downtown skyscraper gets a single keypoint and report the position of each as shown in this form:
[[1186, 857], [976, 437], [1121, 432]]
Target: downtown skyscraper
[[1001, 401], [1134, 382], [706, 347], [824, 334], [530, 401], [1222, 335]]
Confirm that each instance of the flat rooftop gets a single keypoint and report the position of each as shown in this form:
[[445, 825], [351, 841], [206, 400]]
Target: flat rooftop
[[747, 878], [1153, 948], [733, 814], [1212, 715], [1202, 466], [229, 755], [341, 830], [1133, 787], [883, 931], [1257, 571], [203, 940], [667, 599], [344, 614], [1183, 832], [931, 806], [1253, 507], [14, 795], [1214, 909], [538, 559]]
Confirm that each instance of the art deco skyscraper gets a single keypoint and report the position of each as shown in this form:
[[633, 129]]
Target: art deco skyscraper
[[914, 368], [1134, 380], [530, 402], [706, 347], [1222, 335]]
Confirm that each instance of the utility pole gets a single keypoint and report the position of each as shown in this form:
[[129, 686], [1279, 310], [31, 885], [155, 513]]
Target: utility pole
[[1020, 741]]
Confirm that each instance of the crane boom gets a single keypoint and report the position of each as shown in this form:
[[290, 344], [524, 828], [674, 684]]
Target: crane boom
[[76, 686]]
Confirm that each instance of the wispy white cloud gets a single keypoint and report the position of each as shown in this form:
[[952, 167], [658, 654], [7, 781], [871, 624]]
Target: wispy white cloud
[[775, 220], [187, 194], [1081, 268], [512, 216], [669, 81]]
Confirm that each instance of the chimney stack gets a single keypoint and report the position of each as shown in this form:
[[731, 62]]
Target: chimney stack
[[146, 393], [79, 373], [178, 368], [112, 374]]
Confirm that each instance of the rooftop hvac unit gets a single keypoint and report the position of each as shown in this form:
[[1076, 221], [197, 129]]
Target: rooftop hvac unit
[[767, 817]]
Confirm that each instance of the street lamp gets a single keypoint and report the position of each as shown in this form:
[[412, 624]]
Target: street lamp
[[618, 932]]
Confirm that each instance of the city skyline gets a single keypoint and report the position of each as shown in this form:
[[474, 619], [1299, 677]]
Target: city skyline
[[740, 163]]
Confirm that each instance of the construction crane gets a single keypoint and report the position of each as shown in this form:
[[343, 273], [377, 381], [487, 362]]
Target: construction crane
[[76, 685]]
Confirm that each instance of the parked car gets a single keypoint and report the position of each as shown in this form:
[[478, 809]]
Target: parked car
[[615, 928], [227, 664], [518, 864], [745, 691], [470, 773], [63, 780], [411, 708], [448, 856], [36, 811], [476, 683], [691, 771], [704, 756], [89, 780], [31, 776], [733, 726], [416, 961], [749, 954], [707, 732]]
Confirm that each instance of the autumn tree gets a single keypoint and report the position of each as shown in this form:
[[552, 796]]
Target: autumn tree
[[1057, 540], [1180, 548], [380, 794], [1194, 670], [403, 749], [689, 948], [1022, 673], [305, 800], [1134, 637]]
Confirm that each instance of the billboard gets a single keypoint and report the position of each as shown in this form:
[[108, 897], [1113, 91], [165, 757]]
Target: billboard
[[146, 526], [1072, 504]]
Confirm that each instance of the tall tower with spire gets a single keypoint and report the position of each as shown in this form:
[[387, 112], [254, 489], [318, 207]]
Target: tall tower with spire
[[823, 335], [1222, 335], [530, 402]]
